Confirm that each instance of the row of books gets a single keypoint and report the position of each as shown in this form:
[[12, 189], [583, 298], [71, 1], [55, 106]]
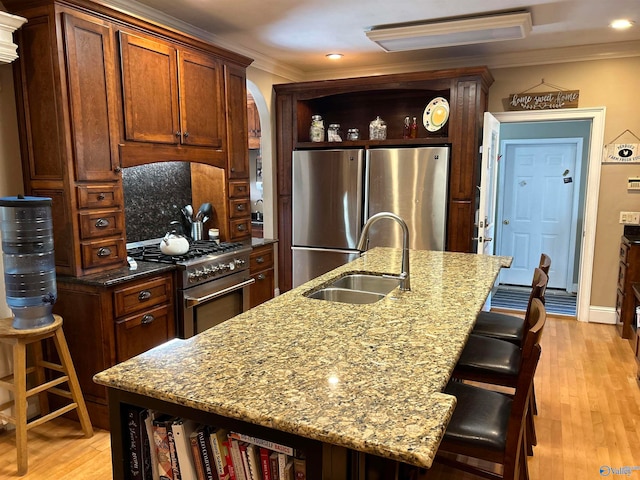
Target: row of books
[[162, 447]]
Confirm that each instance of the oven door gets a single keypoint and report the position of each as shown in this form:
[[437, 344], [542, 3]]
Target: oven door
[[211, 303]]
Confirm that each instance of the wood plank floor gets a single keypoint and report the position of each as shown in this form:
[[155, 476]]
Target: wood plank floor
[[588, 402]]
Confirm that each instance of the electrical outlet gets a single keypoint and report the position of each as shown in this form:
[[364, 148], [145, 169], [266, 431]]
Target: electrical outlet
[[630, 218]]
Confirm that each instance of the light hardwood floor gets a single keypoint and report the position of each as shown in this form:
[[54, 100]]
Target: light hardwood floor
[[588, 404]]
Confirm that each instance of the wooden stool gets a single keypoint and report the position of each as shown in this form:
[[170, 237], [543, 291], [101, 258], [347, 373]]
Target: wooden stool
[[17, 383]]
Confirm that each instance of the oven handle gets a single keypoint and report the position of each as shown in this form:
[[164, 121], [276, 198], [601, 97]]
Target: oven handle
[[191, 302]]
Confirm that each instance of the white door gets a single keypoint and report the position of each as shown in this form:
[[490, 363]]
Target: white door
[[488, 181], [538, 208]]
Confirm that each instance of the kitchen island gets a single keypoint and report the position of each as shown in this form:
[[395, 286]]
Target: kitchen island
[[294, 369]]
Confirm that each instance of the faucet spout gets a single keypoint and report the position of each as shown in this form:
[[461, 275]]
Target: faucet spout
[[405, 279]]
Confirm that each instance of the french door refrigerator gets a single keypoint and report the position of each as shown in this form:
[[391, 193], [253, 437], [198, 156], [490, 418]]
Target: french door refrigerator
[[335, 191]]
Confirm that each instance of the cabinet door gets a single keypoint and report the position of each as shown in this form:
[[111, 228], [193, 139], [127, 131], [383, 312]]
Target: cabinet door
[[92, 98], [150, 90], [236, 97], [201, 100]]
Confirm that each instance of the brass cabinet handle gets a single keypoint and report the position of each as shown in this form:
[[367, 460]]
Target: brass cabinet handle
[[186, 134], [242, 227], [242, 188], [101, 196], [104, 252], [144, 295], [102, 223], [147, 319], [261, 276], [260, 260], [241, 207], [178, 134]]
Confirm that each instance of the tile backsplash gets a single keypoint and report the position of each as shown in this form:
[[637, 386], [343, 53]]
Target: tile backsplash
[[153, 196]]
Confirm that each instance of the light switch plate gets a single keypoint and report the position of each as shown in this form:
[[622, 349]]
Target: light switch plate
[[630, 218]]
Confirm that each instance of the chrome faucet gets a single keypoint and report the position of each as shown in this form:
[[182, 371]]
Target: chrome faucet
[[405, 279]]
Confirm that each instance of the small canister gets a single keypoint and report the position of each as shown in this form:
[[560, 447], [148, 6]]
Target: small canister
[[316, 131], [214, 235], [378, 129], [353, 134], [334, 134]]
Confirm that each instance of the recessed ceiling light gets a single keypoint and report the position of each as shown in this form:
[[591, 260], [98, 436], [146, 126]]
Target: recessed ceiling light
[[621, 24], [334, 56]]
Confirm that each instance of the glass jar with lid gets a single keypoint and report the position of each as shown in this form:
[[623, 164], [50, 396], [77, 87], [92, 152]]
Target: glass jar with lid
[[333, 133], [316, 131], [353, 134], [377, 129]]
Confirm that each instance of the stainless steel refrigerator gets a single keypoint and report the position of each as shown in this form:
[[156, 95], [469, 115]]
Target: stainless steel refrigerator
[[335, 191]]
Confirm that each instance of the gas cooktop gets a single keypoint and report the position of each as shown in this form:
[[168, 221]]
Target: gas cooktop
[[150, 251]]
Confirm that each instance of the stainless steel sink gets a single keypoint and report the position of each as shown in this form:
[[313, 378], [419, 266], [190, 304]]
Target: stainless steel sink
[[356, 288], [345, 295], [366, 282]]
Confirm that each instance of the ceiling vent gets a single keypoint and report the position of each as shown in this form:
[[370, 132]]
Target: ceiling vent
[[448, 33], [8, 24]]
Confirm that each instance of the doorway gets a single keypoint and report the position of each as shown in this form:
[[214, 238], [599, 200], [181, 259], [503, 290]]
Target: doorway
[[592, 147], [538, 208]]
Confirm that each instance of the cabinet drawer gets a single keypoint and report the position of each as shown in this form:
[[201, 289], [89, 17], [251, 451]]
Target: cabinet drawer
[[262, 289], [99, 196], [139, 333], [622, 275], [619, 304], [240, 228], [239, 208], [238, 188], [104, 252], [103, 223], [143, 295], [261, 259], [624, 252]]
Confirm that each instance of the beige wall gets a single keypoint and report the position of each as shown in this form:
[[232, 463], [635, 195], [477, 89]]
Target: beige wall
[[10, 169], [613, 84]]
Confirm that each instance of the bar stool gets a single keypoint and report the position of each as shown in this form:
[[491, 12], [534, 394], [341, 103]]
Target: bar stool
[[17, 382]]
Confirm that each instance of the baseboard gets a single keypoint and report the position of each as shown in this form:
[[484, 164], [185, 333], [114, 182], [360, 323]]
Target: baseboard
[[602, 315]]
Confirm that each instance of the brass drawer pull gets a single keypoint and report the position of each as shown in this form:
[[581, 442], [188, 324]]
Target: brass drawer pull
[[144, 295], [147, 319], [102, 223], [260, 260], [186, 134], [242, 188], [261, 276], [242, 227], [104, 252], [241, 207], [101, 196]]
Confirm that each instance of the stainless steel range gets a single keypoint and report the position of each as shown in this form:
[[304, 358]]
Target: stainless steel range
[[213, 281]]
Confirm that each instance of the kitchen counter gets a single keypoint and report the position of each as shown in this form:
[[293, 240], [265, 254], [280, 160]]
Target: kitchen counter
[[117, 276], [259, 242], [364, 377]]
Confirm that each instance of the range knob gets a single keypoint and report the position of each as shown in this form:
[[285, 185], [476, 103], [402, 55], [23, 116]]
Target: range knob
[[231, 266], [222, 267], [239, 261]]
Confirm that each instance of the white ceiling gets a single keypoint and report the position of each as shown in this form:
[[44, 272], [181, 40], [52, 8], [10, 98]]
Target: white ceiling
[[295, 35]]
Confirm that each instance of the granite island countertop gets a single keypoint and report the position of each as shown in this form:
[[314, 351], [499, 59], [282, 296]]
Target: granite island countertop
[[366, 377]]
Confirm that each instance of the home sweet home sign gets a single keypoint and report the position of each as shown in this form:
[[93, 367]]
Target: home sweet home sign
[[544, 100]]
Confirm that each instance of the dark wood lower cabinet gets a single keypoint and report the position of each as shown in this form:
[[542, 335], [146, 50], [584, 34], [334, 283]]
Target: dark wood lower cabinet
[[107, 325], [261, 265]]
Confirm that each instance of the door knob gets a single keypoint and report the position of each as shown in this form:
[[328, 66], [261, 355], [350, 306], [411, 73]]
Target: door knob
[[506, 222]]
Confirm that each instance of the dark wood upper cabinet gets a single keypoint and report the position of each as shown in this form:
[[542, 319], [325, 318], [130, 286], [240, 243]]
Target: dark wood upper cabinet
[[236, 95], [149, 90]]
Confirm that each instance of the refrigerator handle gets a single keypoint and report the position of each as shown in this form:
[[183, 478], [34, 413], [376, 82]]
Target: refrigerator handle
[[365, 210]]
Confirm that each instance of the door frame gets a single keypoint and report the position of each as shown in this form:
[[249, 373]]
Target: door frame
[[596, 142], [577, 173]]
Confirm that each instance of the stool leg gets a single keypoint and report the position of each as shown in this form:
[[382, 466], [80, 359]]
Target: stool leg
[[20, 404], [40, 377], [74, 386]]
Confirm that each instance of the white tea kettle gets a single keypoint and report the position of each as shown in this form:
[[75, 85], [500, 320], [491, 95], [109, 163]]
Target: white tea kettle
[[173, 242]]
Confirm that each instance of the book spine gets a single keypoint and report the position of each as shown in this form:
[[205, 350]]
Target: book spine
[[134, 443], [145, 440], [245, 460], [227, 454], [172, 454], [181, 430], [162, 448], [197, 459], [217, 438], [265, 464], [205, 452], [273, 460], [300, 468], [237, 460], [153, 457], [276, 447], [282, 464]]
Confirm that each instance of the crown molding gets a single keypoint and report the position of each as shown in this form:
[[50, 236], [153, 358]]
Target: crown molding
[[9, 24]]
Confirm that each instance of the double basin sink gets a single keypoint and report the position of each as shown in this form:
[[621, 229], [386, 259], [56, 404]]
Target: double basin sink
[[356, 288]]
